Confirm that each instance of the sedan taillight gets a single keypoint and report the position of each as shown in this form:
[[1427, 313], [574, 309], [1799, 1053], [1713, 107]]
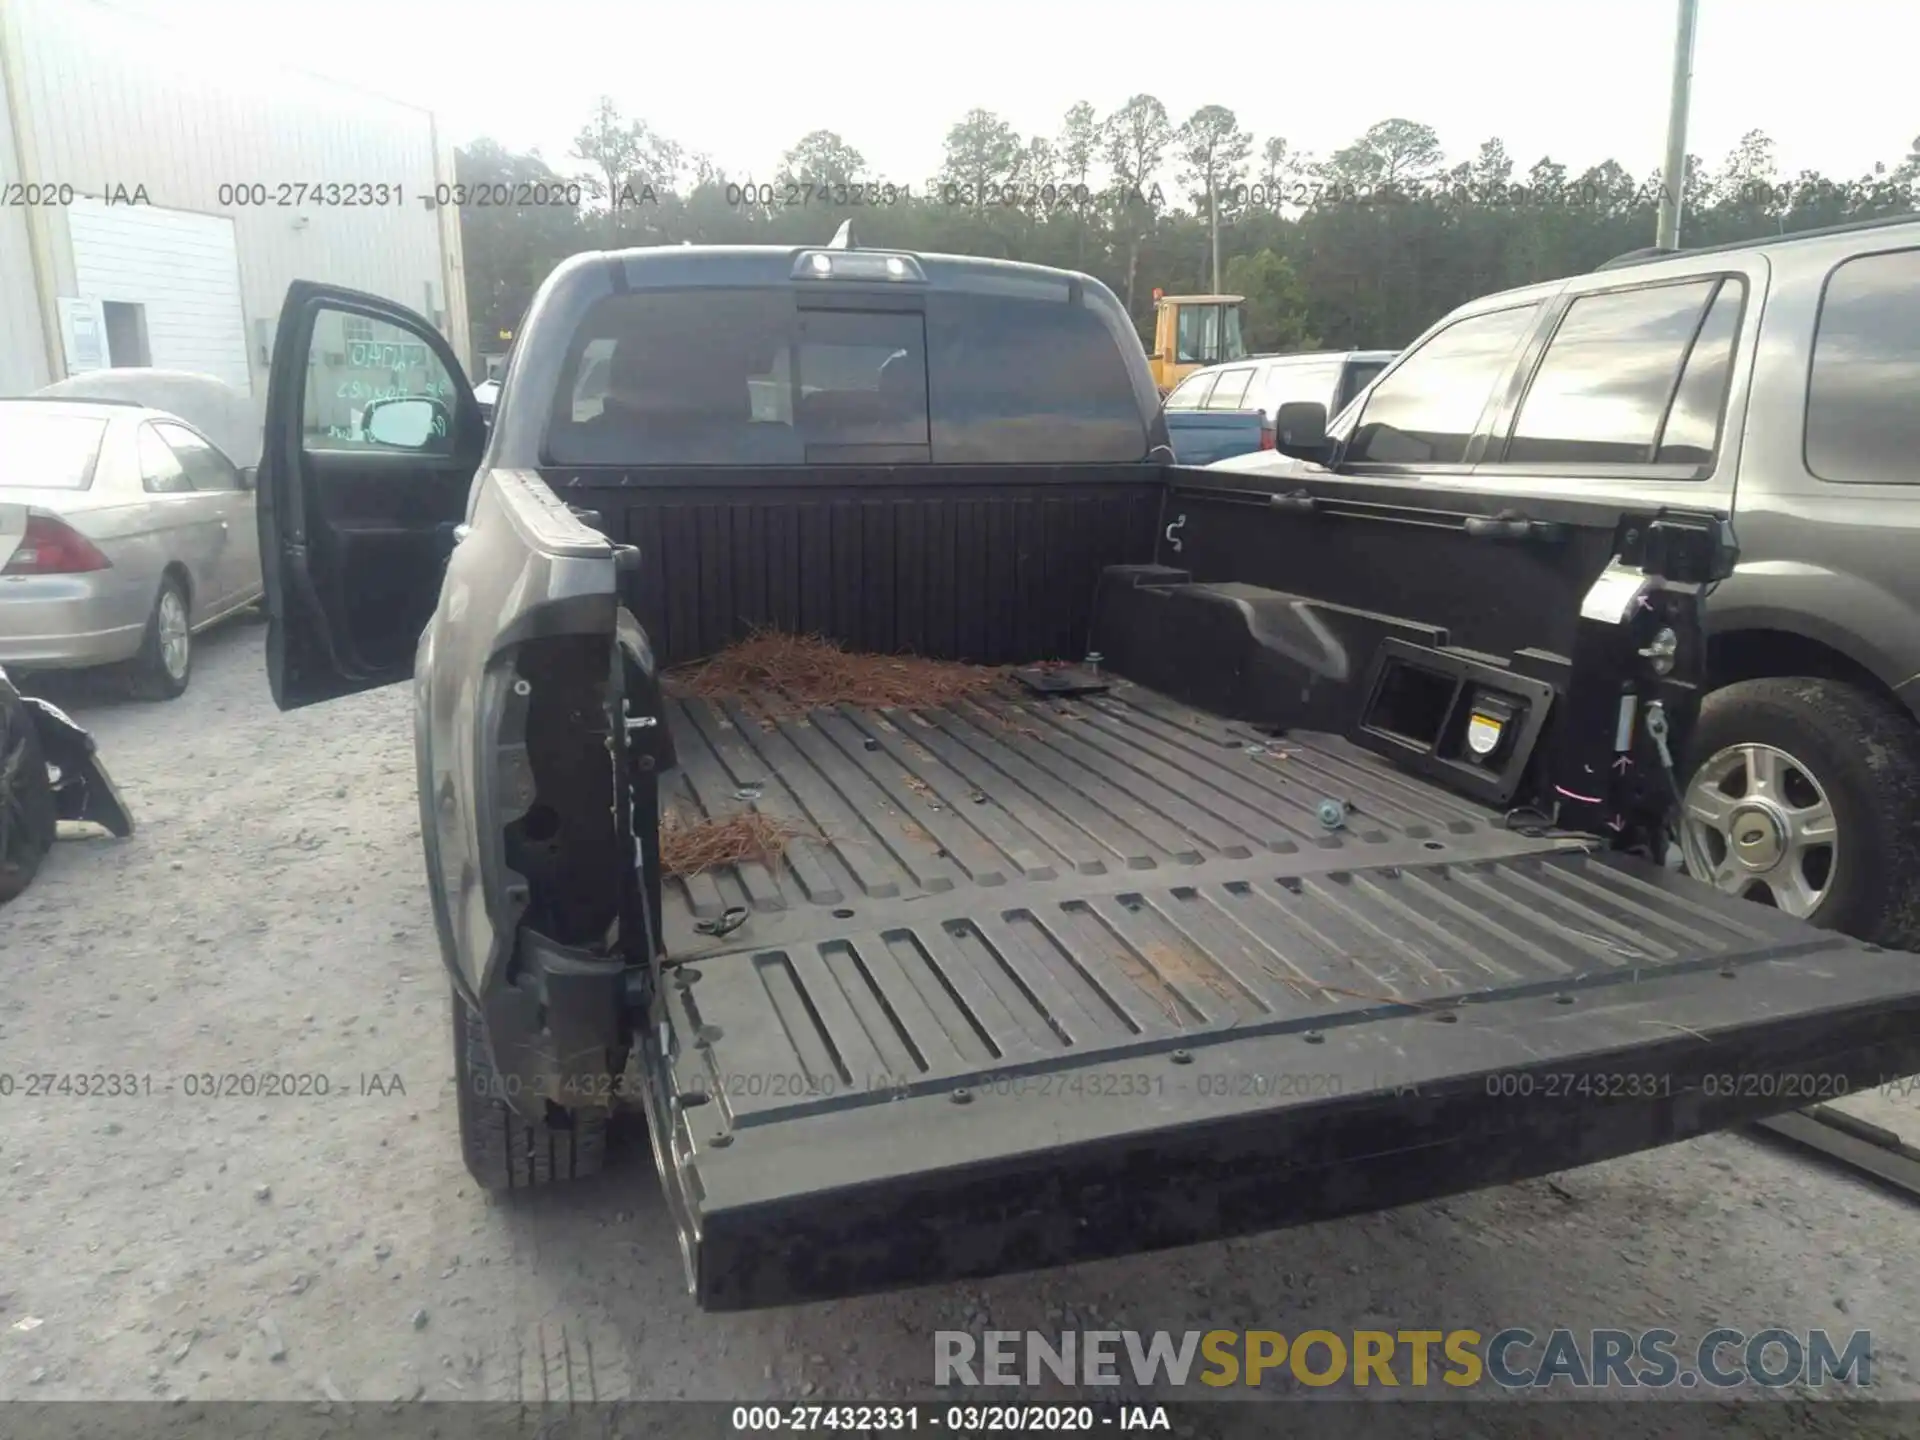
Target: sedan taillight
[[53, 547], [1266, 437]]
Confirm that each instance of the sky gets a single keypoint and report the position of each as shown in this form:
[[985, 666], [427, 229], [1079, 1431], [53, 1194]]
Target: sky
[[1578, 80]]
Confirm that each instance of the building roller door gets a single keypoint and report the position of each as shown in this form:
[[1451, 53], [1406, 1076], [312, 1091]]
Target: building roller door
[[169, 282]]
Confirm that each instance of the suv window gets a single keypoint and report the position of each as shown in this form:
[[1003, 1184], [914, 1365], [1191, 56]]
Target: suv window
[[1427, 409], [1863, 393], [1604, 384], [1191, 393], [1691, 435], [206, 467], [1231, 391]]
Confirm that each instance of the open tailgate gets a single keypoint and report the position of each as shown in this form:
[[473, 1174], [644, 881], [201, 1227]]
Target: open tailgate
[[1072, 1065]]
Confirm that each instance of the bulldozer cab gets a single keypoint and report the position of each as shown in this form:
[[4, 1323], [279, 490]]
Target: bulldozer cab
[[1191, 331]]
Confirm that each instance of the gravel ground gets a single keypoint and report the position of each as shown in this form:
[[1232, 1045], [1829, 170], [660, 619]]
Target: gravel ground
[[269, 916]]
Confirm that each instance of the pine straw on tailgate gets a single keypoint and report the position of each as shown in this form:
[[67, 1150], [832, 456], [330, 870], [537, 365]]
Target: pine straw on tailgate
[[778, 676], [690, 847]]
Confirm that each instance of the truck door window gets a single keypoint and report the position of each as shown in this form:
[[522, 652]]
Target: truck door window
[[357, 360], [1603, 386], [1231, 390], [1427, 409], [1863, 392]]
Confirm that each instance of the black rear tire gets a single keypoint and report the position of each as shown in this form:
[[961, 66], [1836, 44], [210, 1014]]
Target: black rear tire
[[503, 1150], [28, 823]]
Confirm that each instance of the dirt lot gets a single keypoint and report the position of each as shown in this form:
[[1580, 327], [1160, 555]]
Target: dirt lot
[[269, 918]]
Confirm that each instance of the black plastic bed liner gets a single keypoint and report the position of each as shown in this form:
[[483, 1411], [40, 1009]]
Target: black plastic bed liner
[[1053, 980]]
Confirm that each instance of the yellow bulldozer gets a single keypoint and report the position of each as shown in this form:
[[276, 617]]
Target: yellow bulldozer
[[1191, 331]]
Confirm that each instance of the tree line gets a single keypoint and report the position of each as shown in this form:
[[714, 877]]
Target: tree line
[[1362, 248]]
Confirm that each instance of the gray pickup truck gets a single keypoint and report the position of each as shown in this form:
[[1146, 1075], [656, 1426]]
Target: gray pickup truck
[[1278, 910], [1777, 382]]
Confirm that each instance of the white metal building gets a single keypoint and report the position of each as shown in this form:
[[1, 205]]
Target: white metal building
[[184, 224]]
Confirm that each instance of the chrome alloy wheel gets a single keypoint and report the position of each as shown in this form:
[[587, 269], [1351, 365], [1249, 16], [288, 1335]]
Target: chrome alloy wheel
[[1757, 824], [176, 640]]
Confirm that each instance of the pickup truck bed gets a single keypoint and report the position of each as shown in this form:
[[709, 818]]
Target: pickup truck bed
[[1100, 957]]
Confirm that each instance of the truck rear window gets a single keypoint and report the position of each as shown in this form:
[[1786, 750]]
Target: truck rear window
[[756, 377]]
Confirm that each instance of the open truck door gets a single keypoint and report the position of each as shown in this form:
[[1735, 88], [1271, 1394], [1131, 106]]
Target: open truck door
[[372, 440]]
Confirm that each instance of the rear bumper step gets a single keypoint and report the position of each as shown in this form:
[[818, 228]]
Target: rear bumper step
[[1259, 1132]]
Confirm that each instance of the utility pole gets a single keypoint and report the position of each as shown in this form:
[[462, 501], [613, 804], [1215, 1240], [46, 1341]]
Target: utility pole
[[1673, 180]]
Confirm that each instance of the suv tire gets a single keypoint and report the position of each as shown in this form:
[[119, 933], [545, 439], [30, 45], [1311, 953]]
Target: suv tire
[[503, 1150], [1861, 754]]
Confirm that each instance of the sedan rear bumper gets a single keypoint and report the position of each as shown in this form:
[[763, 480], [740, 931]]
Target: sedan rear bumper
[[60, 622]]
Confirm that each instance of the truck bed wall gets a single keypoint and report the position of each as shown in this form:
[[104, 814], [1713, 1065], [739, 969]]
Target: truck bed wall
[[994, 564], [1275, 613]]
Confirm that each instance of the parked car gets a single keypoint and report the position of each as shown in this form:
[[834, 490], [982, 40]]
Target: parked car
[[1200, 437], [1291, 821], [1779, 382], [1266, 382], [124, 529]]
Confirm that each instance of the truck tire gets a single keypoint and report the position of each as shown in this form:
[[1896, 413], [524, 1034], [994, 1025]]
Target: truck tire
[[28, 822], [1805, 794], [503, 1150], [165, 663]]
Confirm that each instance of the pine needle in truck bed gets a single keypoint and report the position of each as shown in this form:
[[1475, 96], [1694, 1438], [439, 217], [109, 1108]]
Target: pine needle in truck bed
[[690, 847], [780, 676]]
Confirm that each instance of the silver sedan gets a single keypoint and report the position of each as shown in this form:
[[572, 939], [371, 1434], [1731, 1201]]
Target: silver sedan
[[123, 531]]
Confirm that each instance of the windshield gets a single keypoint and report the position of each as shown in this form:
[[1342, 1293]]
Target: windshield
[[41, 450]]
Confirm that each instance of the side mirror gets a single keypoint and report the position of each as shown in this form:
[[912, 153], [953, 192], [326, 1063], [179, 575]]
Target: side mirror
[[1300, 430], [408, 422]]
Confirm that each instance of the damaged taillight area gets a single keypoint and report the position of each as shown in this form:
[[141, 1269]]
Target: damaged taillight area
[[567, 882]]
